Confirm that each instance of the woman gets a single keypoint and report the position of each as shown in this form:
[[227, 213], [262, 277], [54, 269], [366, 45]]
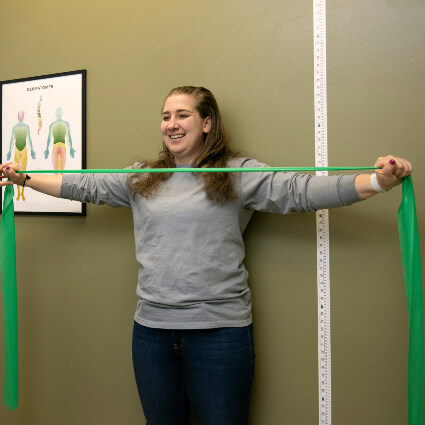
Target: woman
[[192, 337]]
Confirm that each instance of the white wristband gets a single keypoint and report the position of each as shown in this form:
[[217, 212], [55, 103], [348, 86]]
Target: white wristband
[[375, 185]]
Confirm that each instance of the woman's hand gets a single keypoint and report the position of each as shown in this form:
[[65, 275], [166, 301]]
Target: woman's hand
[[392, 170], [8, 171]]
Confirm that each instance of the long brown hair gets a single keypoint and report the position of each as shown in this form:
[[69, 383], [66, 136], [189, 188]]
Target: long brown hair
[[214, 153]]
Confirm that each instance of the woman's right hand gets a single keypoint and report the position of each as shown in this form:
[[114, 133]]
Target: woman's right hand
[[8, 171]]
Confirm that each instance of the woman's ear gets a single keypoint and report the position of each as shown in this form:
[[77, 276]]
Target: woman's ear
[[207, 125]]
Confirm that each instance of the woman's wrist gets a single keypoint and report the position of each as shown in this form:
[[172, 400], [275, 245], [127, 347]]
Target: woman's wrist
[[27, 177], [21, 181], [364, 186], [375, 184]]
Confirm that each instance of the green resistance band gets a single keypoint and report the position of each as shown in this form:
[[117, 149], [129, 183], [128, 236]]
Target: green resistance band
[[195, 170], [10, 303], [411, 261]]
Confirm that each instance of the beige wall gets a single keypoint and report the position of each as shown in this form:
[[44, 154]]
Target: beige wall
[[77, 276]]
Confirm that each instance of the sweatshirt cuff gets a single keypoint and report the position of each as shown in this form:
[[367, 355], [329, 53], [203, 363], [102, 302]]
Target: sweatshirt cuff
[[347, 189]]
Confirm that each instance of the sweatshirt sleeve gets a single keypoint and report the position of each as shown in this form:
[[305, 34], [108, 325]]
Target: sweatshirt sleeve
[[110, 189], [287, 192]]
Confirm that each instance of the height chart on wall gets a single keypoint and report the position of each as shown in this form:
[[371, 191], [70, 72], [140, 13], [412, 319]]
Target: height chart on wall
[[43, 127]]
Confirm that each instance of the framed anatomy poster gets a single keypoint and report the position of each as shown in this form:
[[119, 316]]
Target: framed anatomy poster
[[43, 127]]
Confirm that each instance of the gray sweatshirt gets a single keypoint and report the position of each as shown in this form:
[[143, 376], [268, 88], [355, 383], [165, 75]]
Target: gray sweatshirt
[[190, 249]]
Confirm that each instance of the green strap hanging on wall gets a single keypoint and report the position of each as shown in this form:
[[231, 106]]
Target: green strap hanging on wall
[[411, 260]]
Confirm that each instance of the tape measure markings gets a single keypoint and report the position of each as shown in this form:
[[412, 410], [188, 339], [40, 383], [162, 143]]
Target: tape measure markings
[[322, 216]]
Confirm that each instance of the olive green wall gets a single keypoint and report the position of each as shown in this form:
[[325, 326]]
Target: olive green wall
[[77, 276]]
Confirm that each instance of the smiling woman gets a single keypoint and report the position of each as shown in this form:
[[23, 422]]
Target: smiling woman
[[192, 333], [193, 134]]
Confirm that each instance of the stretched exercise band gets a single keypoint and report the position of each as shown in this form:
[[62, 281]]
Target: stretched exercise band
[[195, 170], [411, 261]]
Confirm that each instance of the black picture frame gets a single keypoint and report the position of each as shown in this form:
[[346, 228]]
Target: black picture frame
[[46, 117]]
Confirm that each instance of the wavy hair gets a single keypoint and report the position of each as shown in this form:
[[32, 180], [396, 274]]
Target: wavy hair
[[214, 153]]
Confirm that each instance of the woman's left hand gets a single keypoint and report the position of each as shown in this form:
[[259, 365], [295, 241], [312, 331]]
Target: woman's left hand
[[393, 169]]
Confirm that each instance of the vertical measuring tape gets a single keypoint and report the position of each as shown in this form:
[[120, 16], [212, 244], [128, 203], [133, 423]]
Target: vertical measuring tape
[[322, 216]]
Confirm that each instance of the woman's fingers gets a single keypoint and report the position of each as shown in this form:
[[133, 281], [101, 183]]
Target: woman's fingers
[[393, 169], [5, 175], [8, 171], [3, 166], [391, 164]]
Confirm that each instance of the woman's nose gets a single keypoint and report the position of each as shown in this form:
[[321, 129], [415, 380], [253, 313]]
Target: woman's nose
[[171, 123]]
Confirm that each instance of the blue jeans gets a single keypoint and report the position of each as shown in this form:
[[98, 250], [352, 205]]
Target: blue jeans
[[209, 369]]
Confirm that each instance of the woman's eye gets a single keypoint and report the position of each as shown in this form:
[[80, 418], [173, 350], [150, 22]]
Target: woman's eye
[[165, 118]]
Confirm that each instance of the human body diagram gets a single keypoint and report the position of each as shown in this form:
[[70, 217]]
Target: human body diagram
[[60, 132], [20, 136]]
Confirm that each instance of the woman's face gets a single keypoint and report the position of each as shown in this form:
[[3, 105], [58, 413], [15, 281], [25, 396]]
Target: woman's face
[[183, 128]]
